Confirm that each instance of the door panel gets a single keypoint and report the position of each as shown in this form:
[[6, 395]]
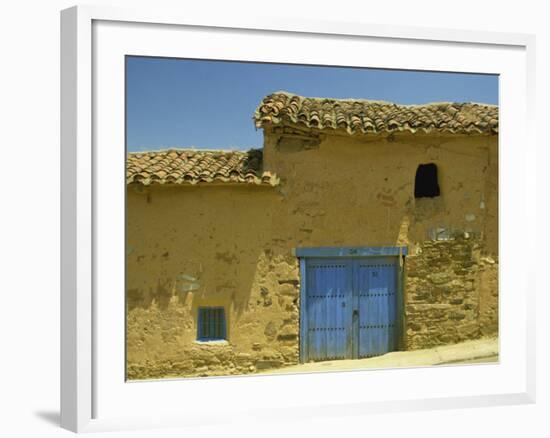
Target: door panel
[[350, 307], [377, 297], [328, 308]]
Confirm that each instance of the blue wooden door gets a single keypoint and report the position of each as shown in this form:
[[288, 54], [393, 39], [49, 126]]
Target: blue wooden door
[[350, 307], [376, 297], [329, 309]]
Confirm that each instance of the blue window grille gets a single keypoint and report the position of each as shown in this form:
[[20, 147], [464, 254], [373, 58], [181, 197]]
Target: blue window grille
[[211, 324]]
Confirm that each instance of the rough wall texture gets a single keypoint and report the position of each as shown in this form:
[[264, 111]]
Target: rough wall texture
[[451, 293], [264, 334], [223, 245], [207, 246]]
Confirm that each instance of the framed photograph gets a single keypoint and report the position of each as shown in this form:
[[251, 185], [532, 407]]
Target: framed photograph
[[281, 218]]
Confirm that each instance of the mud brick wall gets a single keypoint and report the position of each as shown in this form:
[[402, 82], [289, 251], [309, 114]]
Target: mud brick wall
[[451, 293], [263, 332]]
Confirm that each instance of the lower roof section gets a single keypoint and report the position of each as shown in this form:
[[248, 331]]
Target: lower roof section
[[192, 166]]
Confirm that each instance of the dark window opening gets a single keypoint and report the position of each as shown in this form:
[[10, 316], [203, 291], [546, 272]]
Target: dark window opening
[[211, 324], [425, 183]]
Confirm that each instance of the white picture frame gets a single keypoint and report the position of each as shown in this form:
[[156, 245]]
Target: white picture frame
[[83, 189]]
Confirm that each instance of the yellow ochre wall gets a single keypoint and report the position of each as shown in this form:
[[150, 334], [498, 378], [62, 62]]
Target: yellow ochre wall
[[232, 246]]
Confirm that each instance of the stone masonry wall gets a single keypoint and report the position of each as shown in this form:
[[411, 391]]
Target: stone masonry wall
[[451, 293]]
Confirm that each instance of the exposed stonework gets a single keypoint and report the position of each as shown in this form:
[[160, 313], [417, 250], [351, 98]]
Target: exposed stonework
[[451, 293]]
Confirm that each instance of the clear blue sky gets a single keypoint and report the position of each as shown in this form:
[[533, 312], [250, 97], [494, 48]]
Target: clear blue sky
[[209, 104]]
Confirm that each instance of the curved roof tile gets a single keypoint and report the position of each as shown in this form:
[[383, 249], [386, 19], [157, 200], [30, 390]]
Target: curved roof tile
[[189, 166], [374, 117]]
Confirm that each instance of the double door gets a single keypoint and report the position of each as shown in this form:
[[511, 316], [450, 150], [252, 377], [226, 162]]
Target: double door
[[350, 307]]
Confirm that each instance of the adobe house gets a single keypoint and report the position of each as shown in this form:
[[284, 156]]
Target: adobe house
[[360, 228]]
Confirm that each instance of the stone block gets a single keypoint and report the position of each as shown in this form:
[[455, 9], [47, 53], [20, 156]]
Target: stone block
[[289, 330], [267, 364], [469, 330], [288, 290], [270, 331], [286, 272], [289, 337], [455, 315], [440, 278]]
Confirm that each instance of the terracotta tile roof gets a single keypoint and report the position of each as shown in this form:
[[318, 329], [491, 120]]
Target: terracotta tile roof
[[374, 117], [189, 166]]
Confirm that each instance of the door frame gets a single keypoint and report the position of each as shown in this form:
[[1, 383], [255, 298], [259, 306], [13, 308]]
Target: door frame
[[351, 252]]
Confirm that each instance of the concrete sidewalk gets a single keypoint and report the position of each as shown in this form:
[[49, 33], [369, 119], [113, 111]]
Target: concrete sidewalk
[[478, 351]]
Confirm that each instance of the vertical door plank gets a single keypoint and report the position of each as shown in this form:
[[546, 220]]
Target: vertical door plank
[[377, 290], [326, 295]]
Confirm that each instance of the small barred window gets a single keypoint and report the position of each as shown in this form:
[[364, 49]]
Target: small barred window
[[211, 324]]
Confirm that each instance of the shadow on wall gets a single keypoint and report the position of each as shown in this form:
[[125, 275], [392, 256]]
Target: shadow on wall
[[223, 280], [196, 246], [201, 247]]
